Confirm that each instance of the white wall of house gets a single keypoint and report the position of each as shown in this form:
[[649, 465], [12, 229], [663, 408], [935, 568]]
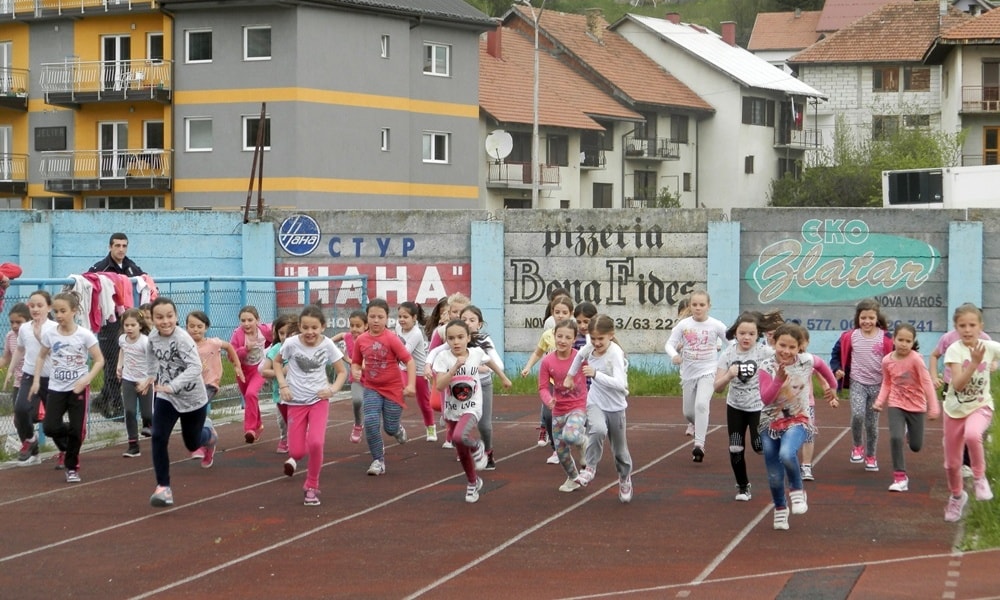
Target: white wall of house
[[965, 106]]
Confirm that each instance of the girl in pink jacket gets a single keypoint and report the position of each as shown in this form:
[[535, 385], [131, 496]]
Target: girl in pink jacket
[[250, 339]]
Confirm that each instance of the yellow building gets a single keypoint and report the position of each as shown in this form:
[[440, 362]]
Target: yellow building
[[85, 104]]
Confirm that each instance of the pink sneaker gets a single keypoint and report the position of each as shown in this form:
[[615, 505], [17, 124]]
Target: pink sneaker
[[857, 454], [282, 447], [209, 448], [198, 454], [983, 491], [356, 434], [953, 510]]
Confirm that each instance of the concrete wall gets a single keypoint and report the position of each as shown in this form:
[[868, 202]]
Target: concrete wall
[[812, 264]]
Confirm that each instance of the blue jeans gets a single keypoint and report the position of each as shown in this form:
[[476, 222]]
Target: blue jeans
[[781, 456]]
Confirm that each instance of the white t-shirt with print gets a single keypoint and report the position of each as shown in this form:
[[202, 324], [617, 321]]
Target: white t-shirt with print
[[463, 394], [69, 356]]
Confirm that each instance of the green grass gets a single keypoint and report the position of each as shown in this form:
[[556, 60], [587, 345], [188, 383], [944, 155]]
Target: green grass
[[640, 383], [982, 519]]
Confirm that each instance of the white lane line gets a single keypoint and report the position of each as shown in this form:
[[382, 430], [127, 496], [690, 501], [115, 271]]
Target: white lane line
[[525, 533], [753, 523]]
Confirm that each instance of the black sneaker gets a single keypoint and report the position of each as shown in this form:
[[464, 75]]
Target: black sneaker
[[490, 465], [133, 450], [698, 454]]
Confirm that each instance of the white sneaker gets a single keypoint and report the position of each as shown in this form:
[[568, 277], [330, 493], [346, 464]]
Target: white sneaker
[[983, 491], [807, 473], [781, 518], [900, 485], [401, 435], [585, 477], [377, 467], [472, 491], [743, 495], [432, 435], [690, 430], [798, 499], [479, 456], [552, 460], [966, 471], [447, 444], [31, 460], [625, 490], [570, 485]]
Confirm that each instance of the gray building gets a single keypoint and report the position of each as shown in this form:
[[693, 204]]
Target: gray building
[[369, 104]]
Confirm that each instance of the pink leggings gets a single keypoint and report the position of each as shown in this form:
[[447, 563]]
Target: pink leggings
[[959, 433], [460, 434], [306, 436], [423, 398], [251, 397]]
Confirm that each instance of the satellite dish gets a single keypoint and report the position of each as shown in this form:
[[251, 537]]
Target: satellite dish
[[499, 144]]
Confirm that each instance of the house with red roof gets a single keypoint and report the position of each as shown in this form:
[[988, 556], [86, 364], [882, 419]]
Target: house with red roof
[[756, 133], [615, 128], [874, 71], [969, 57], [779, 35]]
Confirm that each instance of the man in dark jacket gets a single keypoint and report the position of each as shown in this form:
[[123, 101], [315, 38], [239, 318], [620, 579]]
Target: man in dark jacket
[[109, 402]]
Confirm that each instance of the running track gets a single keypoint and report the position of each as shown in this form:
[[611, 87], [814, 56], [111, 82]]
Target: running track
[[239, 530]]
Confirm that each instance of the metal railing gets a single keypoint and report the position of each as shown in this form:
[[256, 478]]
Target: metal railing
[[41, 8], [515, 174], [592, 158], [105, 164], [129, 78], [14, 82], [798, 138], [13, 167], [977, 98], [651, 148]]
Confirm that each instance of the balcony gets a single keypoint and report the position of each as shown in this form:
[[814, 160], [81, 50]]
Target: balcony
[[517, 175], [14, 88], [72, 83], [978, 99], [651, 149], [13, 174], [92, 170], [41, 9], [798, 138], [592, 158]]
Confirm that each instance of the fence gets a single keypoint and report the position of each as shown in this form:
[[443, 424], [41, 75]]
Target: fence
[[219, 297]]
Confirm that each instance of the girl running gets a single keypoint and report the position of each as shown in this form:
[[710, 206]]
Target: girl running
[[856, 361], [210, 353], [739, 365], [606, 403], [251, 339], [27, 403], [908, 390], [409, 328], [69, 385], [133, 344], [784, 420], [458, 380], [377, 354], [473, 317], [358, 324], [698, 337], [968, 408], [174, 369], [283, 327], [307, 392], [567, 404], [19, 315]]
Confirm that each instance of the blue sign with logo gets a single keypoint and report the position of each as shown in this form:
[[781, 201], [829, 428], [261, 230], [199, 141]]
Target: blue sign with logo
[[299, 235]]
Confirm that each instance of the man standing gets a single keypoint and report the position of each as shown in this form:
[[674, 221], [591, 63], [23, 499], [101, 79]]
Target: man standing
[[109, 403]]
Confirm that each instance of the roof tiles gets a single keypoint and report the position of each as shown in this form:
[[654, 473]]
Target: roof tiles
[[784, 31]]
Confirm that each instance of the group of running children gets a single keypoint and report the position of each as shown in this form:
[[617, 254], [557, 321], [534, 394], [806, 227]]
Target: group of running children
[[171, 374]]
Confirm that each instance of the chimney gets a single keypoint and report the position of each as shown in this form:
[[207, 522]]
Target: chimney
[[729, 32], [594, 23], [674, 18], [493, 41]]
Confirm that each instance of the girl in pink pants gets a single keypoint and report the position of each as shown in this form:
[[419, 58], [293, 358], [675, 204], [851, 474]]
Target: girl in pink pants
[[250, 340]]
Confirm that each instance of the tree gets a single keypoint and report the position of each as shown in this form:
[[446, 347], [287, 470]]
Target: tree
[[850, 173]]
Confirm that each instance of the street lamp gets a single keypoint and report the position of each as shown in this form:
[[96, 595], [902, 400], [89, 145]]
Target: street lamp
[[535, 166]]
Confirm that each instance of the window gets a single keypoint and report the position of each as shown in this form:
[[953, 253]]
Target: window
[[198, 45], [679, 129], [257, 42], [884, 126], [886, 79], [152, 135], [557, 150], [645, 185], [991, 145], [154, 47], [436, 147], [598, 140], [789, 167], [602, 195], [517, 203], [748, 164], [521, 151], [52, 203], [647, 129], [385, 140], [916, 121], [916, 79], [758, 111], [199, 134], [687, 182], [250, 127], [124, 202], [437, 59], [385, 46]]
